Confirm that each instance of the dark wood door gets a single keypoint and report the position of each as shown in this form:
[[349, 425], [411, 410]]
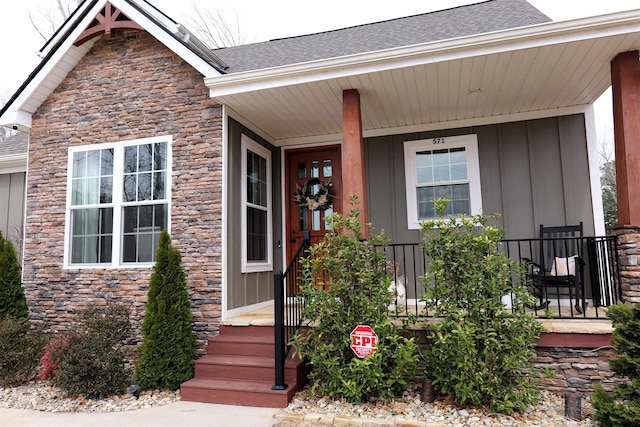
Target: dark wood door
[[313, 190]]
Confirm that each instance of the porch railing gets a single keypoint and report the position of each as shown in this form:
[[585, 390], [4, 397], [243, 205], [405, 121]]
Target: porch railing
[[601, 276], [287, 311]]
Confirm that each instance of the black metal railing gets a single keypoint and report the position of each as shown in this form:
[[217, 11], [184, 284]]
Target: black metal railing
[[600, 284], [287, 310]]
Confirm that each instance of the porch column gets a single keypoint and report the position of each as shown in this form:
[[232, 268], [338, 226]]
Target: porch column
[[625, 83], [353, 180]]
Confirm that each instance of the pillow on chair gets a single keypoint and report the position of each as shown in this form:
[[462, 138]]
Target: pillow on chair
[[563, 266]]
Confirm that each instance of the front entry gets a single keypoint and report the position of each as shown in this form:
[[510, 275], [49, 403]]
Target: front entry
[[313, 192]]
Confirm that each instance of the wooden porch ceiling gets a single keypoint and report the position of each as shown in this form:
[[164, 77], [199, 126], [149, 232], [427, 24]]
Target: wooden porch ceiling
[[457, 91]]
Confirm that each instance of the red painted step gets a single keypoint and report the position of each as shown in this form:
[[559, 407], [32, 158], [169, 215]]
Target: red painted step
[[239, 369]]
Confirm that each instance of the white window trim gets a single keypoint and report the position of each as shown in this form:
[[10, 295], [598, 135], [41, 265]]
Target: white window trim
[[411, 148], [118, 170], [248, 144]]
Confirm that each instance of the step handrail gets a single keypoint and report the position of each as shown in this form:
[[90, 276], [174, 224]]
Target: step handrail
[[283, 282]]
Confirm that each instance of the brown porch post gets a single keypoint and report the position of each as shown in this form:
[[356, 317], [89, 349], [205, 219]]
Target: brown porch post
[[353, 181], [625, 83]]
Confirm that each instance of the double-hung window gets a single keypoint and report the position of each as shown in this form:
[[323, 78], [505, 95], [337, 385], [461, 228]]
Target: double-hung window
[[256, 207], [442, 168], [118, 202]]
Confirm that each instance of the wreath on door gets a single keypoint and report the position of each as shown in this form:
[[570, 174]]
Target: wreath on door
[[305, 197]]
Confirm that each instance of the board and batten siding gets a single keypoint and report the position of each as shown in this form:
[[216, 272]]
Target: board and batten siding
[[12, 192], [531, 172], [245, 289]]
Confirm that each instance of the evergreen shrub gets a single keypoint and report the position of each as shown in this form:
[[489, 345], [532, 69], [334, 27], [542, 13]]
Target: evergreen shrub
[[166, 356], [21, 346], [622, 407], [480, 352], [346, 285], [12, 299]]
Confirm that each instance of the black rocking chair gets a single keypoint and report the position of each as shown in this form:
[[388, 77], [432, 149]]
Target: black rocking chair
[[560, 265]]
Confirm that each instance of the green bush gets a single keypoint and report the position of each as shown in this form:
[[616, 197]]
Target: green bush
[[622, 408], [21, 346], [480, 350], [346, 285], [12, 300], [90, 360], [166, 356]]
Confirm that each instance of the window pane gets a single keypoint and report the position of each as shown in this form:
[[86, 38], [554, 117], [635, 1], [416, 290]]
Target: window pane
[[92, 177], [106, 189], [458, 172], [327, 169], [315, 169], [425, 175], [145, 157], [141, 231], [158, 185], [302, 170], [107, 162], [256, 179], [144, 186], [441, 173], [91, 235], [160, 156], [256, 235], [424, 159], [130, 159], [315, 220], [129, 188]]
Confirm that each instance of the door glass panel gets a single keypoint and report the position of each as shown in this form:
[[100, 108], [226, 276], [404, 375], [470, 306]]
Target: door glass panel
[[315, 220], [327, 224], [315, 169], [326, 168], [302, 218], [302, 170]]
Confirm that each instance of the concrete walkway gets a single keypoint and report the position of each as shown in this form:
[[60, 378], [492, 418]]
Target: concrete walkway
[[181, 414]]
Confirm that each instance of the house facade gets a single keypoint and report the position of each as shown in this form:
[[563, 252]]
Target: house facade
[[135, 126]]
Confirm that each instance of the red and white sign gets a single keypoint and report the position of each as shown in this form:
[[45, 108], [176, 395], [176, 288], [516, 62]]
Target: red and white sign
[[364, 341]]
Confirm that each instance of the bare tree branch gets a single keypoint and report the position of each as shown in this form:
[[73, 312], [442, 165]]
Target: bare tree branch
[[46, 21], [215, 29]]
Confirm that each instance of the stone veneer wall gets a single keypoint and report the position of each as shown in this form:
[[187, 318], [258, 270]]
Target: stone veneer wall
[[575, 369], [127, 87], [628, 257]]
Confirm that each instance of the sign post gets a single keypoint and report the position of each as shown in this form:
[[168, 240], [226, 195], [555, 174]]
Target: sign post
[[364, 341]]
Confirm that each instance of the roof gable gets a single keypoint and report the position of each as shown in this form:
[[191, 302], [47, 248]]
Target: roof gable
[[61, 53], [484, 17]]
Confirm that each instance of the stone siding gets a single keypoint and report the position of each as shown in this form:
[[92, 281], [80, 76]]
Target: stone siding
[[127, 87], [628, 256], [575, 369]]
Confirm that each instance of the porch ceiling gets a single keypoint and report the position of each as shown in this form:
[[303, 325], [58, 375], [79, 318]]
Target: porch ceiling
[[554, 67]]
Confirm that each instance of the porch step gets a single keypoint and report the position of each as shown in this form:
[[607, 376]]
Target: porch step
[[239, 369], [236, 392]]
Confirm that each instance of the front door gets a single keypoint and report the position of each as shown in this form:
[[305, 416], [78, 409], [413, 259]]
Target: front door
[[313, 192]]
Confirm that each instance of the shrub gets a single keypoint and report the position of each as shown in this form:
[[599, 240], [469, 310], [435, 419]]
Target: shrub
[[12, 300], [622, 408], [21, 345], [480, 350], [346, 285], [166, 356], [91, 358]]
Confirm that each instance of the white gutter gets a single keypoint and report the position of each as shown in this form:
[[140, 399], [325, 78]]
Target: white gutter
[[432, 52]]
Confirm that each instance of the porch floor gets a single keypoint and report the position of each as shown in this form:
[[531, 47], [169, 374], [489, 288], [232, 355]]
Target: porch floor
[[265, 317]]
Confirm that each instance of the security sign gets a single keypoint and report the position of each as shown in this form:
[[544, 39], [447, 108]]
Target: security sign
[[364, 341]]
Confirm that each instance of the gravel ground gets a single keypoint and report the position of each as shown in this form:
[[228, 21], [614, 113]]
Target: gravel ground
[[548, 413], [43, 397]]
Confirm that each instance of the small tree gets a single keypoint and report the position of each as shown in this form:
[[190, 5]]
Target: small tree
[[623, 407], [480, 349], [167, 353], [12, 300], [346, 285]]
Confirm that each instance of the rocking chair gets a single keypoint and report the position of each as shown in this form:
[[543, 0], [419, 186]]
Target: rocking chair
[[560, 265]]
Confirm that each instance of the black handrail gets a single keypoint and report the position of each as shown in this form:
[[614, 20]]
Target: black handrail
[[286, 286]]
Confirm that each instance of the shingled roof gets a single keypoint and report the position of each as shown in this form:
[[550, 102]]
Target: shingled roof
[[483, 17], [14, 144]]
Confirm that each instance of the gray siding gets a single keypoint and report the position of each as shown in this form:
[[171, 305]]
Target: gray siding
[[248, 288], [531, 172], [12, 186]]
